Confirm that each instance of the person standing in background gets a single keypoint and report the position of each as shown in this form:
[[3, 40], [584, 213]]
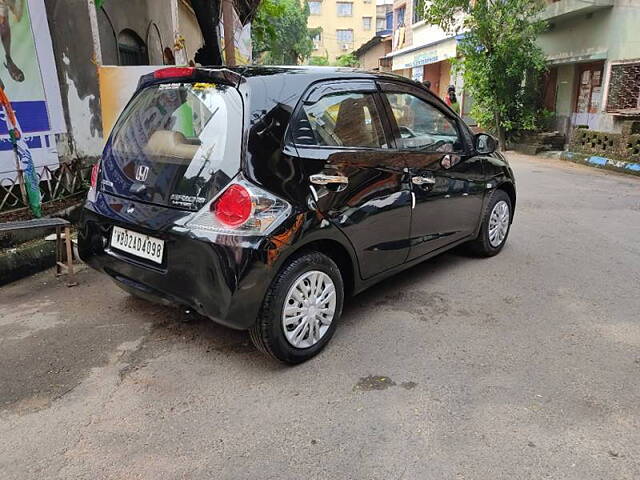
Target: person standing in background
[[452, 100], [427, 84]]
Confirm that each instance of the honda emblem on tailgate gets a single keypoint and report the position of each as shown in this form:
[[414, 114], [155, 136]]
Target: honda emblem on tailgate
[[141, 173]]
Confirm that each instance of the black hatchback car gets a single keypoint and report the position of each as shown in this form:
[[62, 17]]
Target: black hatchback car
[[262, 197]]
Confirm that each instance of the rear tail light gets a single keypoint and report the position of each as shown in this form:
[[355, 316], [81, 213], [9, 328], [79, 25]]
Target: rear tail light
[[234, 206], [173, 72], [241, 209], [95, 171]]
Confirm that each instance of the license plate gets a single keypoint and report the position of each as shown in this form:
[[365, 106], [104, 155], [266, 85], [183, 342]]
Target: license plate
[[143, 246]]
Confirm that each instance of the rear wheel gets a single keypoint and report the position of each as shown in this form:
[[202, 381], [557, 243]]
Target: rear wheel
[[300, 310], [496, 223]]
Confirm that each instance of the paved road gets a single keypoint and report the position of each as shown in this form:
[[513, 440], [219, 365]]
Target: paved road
[[522, 366]]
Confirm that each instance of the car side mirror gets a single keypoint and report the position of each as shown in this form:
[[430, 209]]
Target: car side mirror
[[485, 144]]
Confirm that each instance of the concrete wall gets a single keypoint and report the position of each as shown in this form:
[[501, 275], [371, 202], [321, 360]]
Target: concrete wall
[[425, 34], [613, 31], [70, 28], [150, 19], [189, 29], [446, 80]]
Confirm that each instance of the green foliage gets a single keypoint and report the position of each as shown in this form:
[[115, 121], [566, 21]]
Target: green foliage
[[347, 60], [279, 32], [319, 61], [500, 60]]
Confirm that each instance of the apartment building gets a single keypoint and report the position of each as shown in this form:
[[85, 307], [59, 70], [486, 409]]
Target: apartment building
[[345, 25]]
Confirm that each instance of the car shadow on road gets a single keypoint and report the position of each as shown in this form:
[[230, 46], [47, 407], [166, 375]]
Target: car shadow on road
[[171, 326], [392, 288]]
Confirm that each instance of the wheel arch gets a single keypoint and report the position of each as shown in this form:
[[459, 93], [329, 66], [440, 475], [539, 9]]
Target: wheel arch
[[510, 190], [338, 252]]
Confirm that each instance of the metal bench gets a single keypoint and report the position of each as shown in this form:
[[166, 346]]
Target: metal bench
[[59, 224]]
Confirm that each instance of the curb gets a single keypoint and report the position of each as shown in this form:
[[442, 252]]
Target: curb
[[26, 259], [630, 168], [33, 253]]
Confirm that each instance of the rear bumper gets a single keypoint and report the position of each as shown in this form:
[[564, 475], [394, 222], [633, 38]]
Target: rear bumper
[[225, 279]]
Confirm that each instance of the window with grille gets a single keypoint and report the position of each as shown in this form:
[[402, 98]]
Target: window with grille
[[366, 23], [345, 37], [315, 8], [345, 9], [624, 87]]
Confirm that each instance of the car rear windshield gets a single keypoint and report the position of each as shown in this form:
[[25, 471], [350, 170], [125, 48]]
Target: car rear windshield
[[176, 144]]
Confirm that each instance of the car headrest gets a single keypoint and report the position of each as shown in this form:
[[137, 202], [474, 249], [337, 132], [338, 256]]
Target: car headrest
[[171, 146]]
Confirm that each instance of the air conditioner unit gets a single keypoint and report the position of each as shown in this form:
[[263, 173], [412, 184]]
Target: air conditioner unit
[[345, 46]]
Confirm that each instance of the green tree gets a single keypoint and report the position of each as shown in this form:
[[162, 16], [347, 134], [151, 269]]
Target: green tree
[[279, 32], [500, 59], [347, 60]]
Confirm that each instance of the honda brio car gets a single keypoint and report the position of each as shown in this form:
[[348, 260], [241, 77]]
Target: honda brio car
[[263, 197]]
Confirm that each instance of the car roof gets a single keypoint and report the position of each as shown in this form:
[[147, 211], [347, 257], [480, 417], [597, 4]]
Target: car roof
[[304, 75], [285, 85], [310, 71]]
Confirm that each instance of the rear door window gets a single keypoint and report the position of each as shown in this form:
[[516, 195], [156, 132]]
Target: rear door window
[[175, 144], [346, 119]]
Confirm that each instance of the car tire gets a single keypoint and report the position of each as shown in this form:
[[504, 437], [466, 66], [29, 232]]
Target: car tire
[[495, 226], [274, 332]]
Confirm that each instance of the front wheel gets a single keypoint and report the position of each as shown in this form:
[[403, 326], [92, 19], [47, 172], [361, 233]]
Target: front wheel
[[300, 310], [496, 223]]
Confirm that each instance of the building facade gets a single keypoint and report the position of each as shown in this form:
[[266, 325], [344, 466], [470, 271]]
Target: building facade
[[346, 25], [593, 50]]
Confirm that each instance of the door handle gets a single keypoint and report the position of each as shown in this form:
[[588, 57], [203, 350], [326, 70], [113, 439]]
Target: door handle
[[423, 180], [322, 179]]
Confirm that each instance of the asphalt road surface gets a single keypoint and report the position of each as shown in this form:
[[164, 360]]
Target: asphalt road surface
[[522, 366]]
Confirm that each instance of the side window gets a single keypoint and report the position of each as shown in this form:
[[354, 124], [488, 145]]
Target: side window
[[422, 126], [348, 119]]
